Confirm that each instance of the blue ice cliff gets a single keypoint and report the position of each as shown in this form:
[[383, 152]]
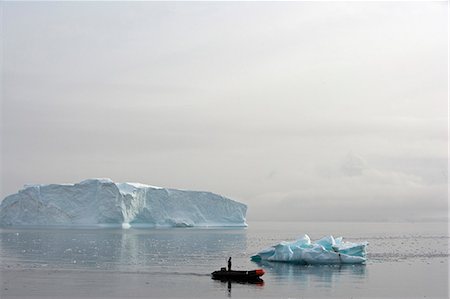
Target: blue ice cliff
[[101, 202], [328, 250]]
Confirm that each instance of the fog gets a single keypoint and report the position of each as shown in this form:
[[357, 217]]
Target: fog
[[302, 110]]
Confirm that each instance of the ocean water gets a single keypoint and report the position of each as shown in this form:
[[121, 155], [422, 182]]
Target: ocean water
[[405, 260]]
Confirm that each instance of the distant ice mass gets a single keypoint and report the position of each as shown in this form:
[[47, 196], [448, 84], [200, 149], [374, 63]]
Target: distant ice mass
[[328, 250], [101, 202]]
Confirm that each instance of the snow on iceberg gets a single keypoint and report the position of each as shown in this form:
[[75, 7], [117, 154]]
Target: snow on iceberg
[[327, 250], [101, 202]]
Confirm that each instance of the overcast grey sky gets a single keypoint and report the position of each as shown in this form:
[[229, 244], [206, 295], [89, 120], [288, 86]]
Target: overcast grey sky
[[302, 110]]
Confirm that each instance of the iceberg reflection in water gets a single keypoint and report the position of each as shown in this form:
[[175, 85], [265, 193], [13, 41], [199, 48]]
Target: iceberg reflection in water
[[134, 250], [313, 275]]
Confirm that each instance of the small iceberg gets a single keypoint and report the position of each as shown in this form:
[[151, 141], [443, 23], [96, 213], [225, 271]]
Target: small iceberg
[[326, 251]]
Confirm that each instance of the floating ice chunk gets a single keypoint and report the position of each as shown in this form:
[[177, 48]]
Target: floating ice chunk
[[283, 252], [353, 249], [327, 250], [302, 242], [264, 254], [327, 242]]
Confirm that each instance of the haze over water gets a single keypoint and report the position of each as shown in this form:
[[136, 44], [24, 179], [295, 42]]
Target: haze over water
[[405, 260], [316, 110]]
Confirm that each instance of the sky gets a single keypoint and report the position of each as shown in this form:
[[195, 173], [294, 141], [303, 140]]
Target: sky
[[302, 110]]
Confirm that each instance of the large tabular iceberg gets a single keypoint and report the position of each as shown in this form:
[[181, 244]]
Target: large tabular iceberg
[[327, 250], [101, 202]]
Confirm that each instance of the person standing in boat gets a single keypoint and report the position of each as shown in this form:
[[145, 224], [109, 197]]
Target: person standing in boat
[[229, 263]]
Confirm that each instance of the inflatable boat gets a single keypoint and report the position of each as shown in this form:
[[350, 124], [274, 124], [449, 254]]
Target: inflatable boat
[[224, 274]]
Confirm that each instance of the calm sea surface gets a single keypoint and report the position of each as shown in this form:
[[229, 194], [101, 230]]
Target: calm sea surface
[[405, 260]]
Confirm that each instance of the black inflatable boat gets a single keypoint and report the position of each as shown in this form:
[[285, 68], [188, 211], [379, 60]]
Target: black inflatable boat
[[252, 275]]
